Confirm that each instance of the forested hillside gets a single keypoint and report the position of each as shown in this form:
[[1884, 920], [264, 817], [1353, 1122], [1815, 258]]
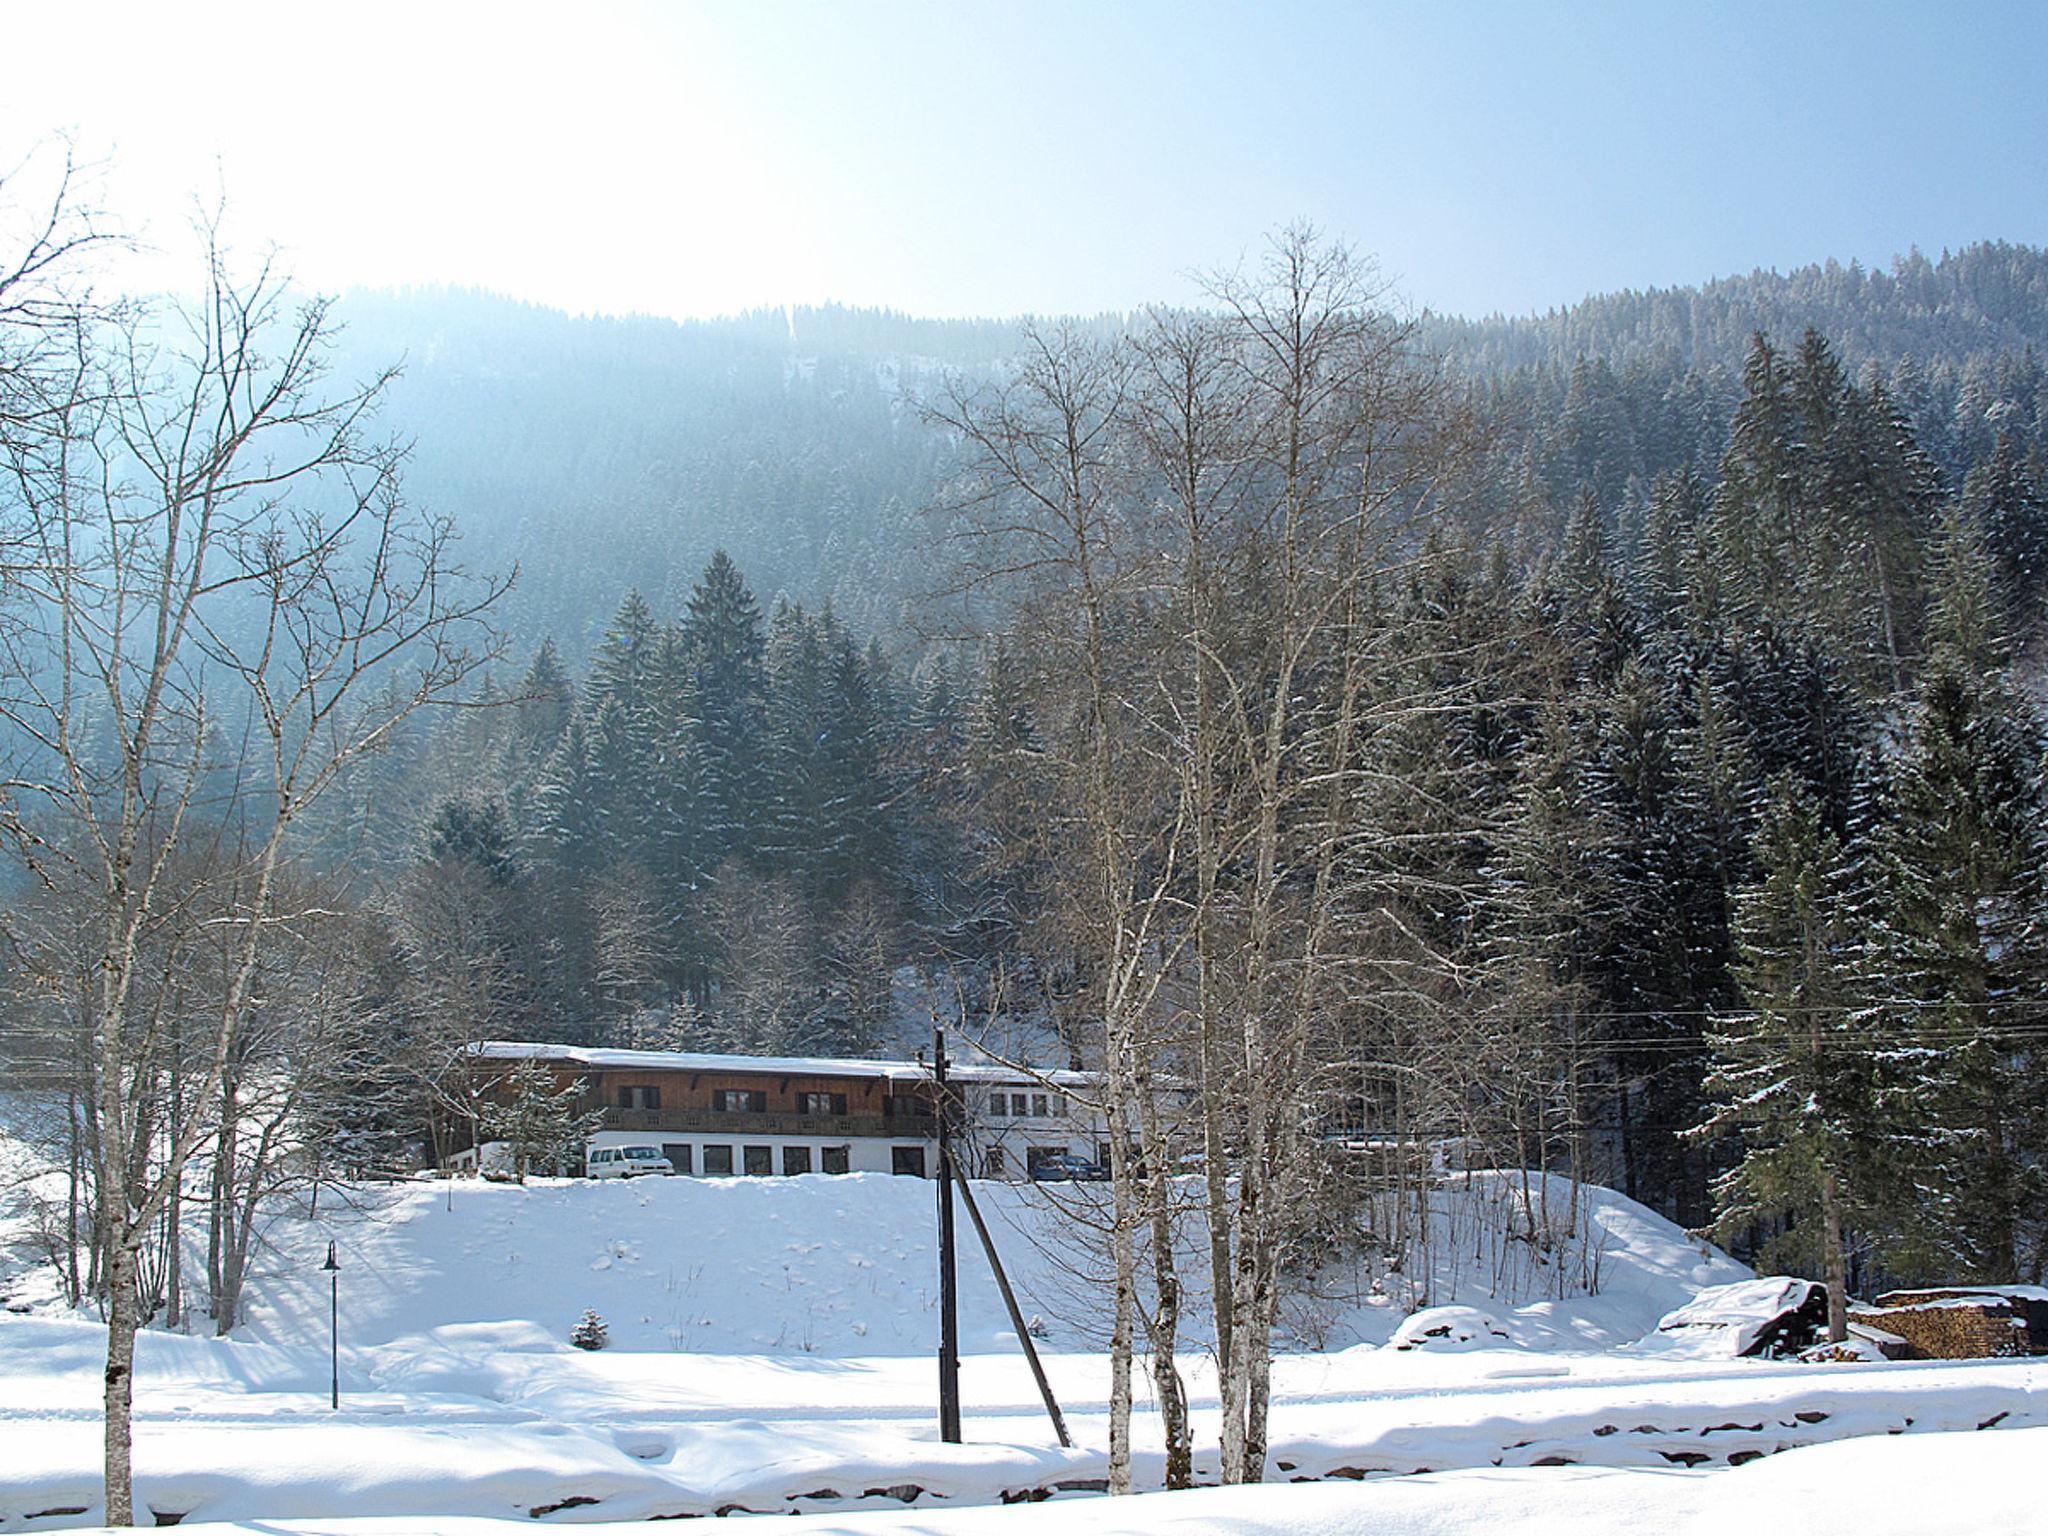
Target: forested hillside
[[1722, 629], [605, 455]]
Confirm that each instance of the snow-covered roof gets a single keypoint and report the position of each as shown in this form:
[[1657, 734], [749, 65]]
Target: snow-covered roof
[[604, 1058]]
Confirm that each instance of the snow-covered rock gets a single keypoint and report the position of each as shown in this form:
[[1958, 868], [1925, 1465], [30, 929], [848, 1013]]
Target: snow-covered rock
[[1451, 1328]]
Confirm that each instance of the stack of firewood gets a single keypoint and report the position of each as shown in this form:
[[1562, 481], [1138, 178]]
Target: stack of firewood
[[1950, 1324]]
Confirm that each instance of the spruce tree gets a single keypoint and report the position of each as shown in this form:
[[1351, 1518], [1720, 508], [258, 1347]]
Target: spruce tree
[[474, 833], [2010, 506], [1756, 516], [722, 629], [1964, 925], [538, 1120], [1791, 1074]]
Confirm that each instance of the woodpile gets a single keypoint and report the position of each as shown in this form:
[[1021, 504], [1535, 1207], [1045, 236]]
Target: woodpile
[[1964, 1323]]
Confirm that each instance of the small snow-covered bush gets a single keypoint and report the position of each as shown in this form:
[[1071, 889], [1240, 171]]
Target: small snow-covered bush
[[590, 1331]]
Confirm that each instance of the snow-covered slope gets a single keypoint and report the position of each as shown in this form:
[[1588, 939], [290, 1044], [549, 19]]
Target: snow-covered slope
[[31, 1200], [846, 1266], [772, 1352]]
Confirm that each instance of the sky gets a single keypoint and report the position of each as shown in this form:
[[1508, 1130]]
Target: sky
[[982, 158]]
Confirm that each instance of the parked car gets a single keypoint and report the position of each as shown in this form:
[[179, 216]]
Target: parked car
[[1053, 1170], [627, 1162]]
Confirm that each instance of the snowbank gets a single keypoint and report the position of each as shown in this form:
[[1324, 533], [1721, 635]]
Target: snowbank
[[1960, 1485]]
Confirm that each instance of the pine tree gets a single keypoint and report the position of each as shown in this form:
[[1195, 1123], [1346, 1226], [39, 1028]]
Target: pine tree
[[625, 659], [475, 834], [545, 700], [1554, 902], [675, 852], [1677, 506], [722, 630], [797, 829], [1965, 924], [617, 781], [1756, 524], [538, 1121], [1792, 1074], [565, 814], [2008, 504]]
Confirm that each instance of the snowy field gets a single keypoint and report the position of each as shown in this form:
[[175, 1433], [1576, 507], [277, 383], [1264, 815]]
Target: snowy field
[[771, 1353]]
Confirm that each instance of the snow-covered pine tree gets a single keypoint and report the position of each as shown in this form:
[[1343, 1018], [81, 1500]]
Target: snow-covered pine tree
[[537, 1119], [543, 703], [590, 1331], [1964, 930], [1791, 1074], [623, 667], [797, 831], [1755, 522], [722, 629], [1677, 505], [2011, 506]]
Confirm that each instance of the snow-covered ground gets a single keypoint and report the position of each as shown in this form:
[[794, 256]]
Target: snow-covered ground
[[1959, 1485], [771, 1352]]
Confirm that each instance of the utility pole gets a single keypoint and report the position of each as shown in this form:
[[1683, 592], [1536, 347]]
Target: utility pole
[[949, 1309]]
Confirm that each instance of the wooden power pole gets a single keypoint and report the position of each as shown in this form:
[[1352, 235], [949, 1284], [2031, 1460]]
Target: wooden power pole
[[949, 1300]]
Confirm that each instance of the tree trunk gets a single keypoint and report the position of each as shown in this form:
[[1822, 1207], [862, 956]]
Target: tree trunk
[[1123, 1259], [1837, 1259], [120, 1382], [1163, 1331]]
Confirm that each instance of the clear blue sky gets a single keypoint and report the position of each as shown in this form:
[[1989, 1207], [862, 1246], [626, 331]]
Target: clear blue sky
[[977, 157]]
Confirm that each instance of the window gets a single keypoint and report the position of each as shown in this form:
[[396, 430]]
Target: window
[[678, 1154], [1020, 1105], [640, 1098], [740, 1101], [1102, 1154], [1038, 1105], [992, 1164], [835, 1159], [998, 1105], [796, 1160], [718, 1162], [904, 1106], [760, 1161], [821, 1103], [907, 1160], [1059, 1105]]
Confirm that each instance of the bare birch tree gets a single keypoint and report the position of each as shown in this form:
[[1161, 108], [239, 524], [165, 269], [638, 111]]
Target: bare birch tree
[[217, 599]]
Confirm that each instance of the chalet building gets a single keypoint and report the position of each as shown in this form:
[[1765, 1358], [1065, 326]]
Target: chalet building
[[716, 1116]]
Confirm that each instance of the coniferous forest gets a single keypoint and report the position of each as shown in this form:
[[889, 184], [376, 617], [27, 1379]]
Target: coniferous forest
[[1691, 820]]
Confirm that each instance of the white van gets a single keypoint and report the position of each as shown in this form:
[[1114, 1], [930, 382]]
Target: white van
[[627, 1162]]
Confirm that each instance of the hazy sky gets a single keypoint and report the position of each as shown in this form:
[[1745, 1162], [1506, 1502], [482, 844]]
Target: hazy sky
[[970, 158]]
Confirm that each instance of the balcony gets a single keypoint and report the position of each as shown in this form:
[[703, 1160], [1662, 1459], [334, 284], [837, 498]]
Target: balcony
[[740, 1124]]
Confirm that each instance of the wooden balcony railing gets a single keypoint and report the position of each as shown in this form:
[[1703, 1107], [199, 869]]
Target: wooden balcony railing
[[739, 1124]]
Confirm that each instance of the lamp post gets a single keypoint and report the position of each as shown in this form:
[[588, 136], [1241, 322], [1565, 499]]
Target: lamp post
[[333, 1269]]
